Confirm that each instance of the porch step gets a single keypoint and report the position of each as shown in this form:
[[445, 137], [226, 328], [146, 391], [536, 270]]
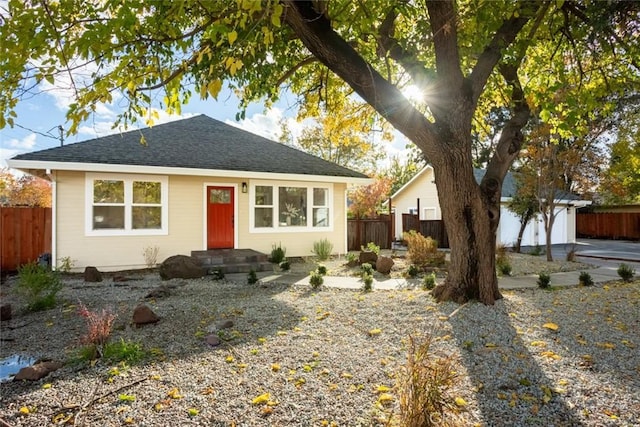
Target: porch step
[[232, 260]]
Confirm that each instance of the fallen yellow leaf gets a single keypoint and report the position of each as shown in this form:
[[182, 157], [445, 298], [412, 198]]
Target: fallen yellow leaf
[[386, 397], [263, 398], [374, 332], [460, 402], [24, 410], [551, 325]]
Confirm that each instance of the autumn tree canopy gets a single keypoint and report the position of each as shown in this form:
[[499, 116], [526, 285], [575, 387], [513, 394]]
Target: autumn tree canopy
[[465, 58]]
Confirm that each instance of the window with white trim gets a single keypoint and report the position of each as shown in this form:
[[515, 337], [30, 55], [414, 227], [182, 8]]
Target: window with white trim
[[290, 207], [126, 205]]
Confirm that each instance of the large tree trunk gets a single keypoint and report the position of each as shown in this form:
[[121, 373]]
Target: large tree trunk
[[471, 219]]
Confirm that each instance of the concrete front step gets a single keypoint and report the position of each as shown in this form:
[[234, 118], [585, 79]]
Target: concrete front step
[[232, 260]]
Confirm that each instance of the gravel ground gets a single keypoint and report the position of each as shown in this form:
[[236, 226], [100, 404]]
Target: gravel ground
[[316, 356]]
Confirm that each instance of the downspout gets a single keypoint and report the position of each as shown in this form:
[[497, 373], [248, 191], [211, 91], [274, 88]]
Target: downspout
[[54, 208]]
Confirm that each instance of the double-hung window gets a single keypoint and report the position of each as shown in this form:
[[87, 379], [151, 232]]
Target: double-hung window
[[126, 205], [290, 207]]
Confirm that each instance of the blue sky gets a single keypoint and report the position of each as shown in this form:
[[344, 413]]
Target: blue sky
[[43, 113]]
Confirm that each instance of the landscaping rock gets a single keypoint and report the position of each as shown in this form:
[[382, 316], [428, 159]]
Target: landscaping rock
[[212, 339], [91, 274], [181, 267], [384, 265], [368, 257], [37, 371], [226, 324], [5, 312], [161, 291], [143, 315]]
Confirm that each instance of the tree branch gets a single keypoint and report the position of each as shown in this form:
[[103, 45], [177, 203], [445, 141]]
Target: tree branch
[[387, 45], [292, 70], [503, 38], [442, 16], [511, 138], [314, 30]]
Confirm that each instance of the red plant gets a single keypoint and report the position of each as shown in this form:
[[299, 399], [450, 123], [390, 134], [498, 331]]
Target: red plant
[[99, 324]]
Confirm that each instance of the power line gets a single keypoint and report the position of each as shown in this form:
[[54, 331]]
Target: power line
[[60, 136]]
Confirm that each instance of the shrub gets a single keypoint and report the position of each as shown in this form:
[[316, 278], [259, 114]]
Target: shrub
[[150, 254], [429, 282], [536, 251], [425, 385], [217, 273], [366, 268], [285, 265], [323, 249], [316, 280], [278, 253], [38, 286], [413, 271], [423, 251], [504, 266], [503, 263], [585, 279], [544, 280], [124, 351], [625, 272], [322, 269], [99, 325], [371, 247], [66, 264], [367, 280], [252, 277], [352, 258]]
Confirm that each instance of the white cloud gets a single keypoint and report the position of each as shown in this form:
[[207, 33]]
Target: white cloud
[[103, 127], [6, 154], [26, 143], [266, 125]]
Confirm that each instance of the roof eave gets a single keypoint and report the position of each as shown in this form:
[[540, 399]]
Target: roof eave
[[30, 166]]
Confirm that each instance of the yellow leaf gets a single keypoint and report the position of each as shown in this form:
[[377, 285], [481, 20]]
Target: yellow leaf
[[24, 410], [275, 367], [232, 36], [382, 389], [460, 402], [551, 325], [46, 386], [538, 343], [386, 397], [490, 345], [174, 393], [214, 88], [229, 359], [346, 375], [263, 398], [374, 332]]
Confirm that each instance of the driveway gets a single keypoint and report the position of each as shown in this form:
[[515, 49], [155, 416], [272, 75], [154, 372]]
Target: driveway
[[609, 253], [603, 253]]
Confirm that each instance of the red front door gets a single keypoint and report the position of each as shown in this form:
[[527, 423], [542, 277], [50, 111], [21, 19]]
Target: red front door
[[220, 220]]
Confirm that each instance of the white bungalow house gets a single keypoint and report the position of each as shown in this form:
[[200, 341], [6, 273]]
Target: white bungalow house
[[421, 191], [196, 184]]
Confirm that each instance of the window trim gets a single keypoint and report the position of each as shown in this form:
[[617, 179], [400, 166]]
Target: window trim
[[276, 202], [128, 205]]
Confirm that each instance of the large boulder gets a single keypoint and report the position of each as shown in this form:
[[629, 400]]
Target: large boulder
[[181, 267], [37, 371], [384, 264], [91, 274], [368, 257], [143, 315]]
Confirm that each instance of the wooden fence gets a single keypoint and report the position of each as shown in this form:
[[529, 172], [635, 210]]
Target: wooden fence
[[25, 234], [609, 225], [362, 231], [432, 228]]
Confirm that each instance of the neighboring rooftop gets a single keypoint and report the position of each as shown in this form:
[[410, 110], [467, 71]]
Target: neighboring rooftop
[[198, 142]]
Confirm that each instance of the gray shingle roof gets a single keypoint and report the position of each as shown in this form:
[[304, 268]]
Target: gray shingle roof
[[198, 142], [509, 186]]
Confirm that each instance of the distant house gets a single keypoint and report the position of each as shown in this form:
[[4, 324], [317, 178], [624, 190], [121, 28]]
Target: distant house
[[421, 190], [196, 184]]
